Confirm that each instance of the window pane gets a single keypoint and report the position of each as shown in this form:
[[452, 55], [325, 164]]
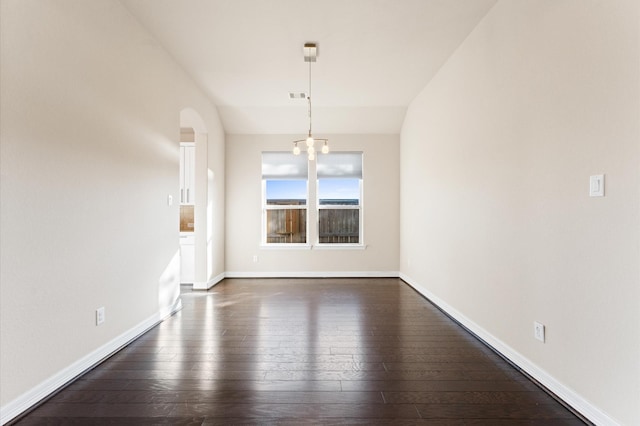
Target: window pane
[[287, 192], [339, 192], [339, 226], [287, 226]]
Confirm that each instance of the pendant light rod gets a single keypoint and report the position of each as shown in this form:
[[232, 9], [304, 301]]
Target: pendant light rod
[[310, 54], [309, 98]]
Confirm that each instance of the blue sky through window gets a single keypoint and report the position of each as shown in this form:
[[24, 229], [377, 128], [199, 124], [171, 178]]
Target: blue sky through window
[[328, 189], [286, 190], [339, 189]]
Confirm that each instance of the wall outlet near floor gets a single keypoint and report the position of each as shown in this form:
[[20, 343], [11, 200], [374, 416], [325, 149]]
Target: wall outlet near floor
[[255, 258], [538, 331], [100, 315]]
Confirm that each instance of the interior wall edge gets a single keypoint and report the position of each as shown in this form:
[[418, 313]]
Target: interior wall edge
[[564, 393], [207, 285], [38, 394]]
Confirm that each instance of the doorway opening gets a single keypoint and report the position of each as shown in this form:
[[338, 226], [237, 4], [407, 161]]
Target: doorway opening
[[187, 205]]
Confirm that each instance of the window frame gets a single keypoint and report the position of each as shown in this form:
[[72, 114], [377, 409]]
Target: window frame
[[312, 230], [266, 207], [264, 237], [360, 207]]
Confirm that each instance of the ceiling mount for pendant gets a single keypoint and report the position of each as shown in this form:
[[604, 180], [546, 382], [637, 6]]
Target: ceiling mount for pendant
[[310, 51]]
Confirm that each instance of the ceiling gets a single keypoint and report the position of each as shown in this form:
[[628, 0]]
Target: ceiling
[[374, 56]]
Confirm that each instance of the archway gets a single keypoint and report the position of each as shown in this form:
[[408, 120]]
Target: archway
[[193, 212]]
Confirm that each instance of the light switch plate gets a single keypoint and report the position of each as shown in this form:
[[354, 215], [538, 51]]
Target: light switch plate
[[538, 331], [596, 186], [100, 315]]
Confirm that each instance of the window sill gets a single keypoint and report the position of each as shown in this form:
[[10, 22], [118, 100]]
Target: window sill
[[290, 246], [276, 246], [340, 247]]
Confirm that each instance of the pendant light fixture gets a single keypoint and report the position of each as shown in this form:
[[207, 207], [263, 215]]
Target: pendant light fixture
[[310, 55]]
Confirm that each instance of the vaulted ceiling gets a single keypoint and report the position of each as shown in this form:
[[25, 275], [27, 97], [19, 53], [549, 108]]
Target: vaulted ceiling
[[374, 56]]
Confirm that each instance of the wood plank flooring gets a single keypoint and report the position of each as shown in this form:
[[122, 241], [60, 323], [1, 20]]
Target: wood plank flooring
[[304, 351]]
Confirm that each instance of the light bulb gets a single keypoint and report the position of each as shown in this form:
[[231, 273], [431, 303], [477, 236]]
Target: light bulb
[[311, 150], [325, 148], [312, 156], [296, 150], [310, 141]]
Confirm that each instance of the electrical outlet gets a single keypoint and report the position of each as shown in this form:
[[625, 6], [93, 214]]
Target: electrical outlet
[[538, 331], [255, 258], [100, 315], [596, 186]]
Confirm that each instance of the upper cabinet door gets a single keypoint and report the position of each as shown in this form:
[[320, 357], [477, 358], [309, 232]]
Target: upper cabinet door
[[187, 174]]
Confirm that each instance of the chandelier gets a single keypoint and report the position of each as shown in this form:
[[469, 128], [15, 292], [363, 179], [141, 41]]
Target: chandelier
[[310, 55]]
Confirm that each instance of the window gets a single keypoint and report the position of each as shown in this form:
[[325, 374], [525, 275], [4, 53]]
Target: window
[[284, 200], [340, 198]]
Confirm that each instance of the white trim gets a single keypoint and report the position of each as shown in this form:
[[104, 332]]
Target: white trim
[[284, 246], [213, 281], [286, 207], [337, 246], [32, 397], [327, 246], [337, 206], [314, 274], [566, 394], [162, 314]]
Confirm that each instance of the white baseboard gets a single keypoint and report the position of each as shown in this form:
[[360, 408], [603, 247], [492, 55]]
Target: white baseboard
[[566, 394], [32, 397], [206, 286], [315, 274]]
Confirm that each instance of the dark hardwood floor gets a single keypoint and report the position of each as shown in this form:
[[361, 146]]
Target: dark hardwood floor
[[304, 351]]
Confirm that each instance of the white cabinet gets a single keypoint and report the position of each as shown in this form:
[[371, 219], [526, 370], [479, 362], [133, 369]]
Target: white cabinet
[[187, 173], [187, 258]]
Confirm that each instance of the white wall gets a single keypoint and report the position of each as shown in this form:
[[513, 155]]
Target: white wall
[[243, 203], [496, 222], [90, 115]]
